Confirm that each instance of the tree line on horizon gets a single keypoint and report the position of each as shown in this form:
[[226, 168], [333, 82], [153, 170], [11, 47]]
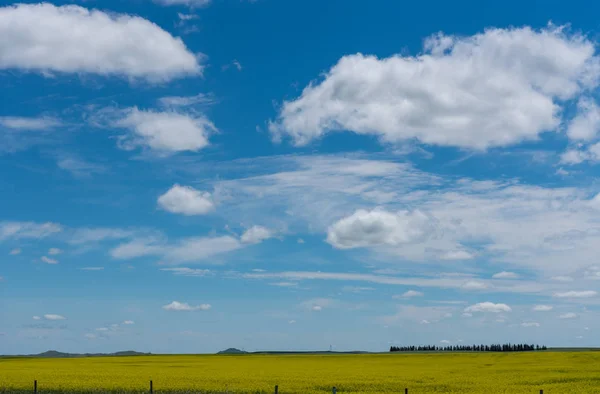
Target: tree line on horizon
[[507, 347]]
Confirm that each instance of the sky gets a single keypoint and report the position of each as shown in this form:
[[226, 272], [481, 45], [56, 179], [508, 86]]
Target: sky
[[185, 176]]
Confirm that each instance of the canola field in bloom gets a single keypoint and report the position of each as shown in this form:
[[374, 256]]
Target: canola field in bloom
[[489, 373]]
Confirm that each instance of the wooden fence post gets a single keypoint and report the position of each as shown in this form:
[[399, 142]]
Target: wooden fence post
[[405, 391], [35, 386], [151, 388], [541, 391], [276, 389], [334, 390]]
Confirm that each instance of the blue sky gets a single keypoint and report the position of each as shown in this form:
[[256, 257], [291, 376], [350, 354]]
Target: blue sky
[[191, 175]]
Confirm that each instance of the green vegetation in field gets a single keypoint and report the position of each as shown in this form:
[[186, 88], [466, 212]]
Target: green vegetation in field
[[490, 373]]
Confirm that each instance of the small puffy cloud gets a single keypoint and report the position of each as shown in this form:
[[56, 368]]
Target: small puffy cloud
[[164, 132], [256, 234], [292, 322], [54, 317], [48, 260], [576, 294], [317, 308], [54, 251], [128, 322], [15, 252], [488, 307], [318, 304], [505, 275], [182, 306], [425, 321], [32, 124], [409, 294], [92, 269], [102, 329], [445, 341], [37, 318], [542, 308], [530, 324], [72, 39], [300, 241], [402, 98], [284, 284], [467, 314], [569, 315], [379, 227], [90, 336], [186, 200]]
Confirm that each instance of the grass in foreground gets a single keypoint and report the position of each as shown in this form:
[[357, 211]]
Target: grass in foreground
[[555, 372]]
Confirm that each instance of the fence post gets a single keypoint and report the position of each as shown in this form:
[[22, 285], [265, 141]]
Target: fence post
[[35, 386], [151, 389], [541, 391], [405, 391], [276, 389], [334, 390]]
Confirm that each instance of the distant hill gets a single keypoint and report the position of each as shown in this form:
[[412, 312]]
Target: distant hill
[[232, 350], [56, 354]]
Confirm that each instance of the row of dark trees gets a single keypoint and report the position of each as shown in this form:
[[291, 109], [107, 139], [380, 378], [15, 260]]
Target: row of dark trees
[[507, 347]]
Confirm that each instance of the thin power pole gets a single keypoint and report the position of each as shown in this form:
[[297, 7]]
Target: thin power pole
[[151, 389], [276, 389], [35, 386]]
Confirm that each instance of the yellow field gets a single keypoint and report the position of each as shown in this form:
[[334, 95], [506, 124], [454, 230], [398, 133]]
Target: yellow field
[[555, 372]]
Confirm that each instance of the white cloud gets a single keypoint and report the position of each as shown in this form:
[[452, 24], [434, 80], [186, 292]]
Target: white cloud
[[94, 235], [128, 322], [54, 317], [530, 324], [474, 285], [48, 260], [543, 308], [300, 241], [79, 168], [191, 249], [586, 124], [488, 307], [92, 269], [37, 318], [409, 294], [562, 278], [15, 252], [576, 294], [165, 132], [186, 101], [186, 200], [284, 284], [182, 306], [378, 227], [90, 336], [72, 39], [292, 322], [505, 275], [445, 341], [102, 329], [21, 123], [189, 3], [457, 255], [569, 315], [467, 314], [256, 234], [506, 90], [28, 230], [183, 271], [317, 308], [54, 251], [424, 321], [318, 304]]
